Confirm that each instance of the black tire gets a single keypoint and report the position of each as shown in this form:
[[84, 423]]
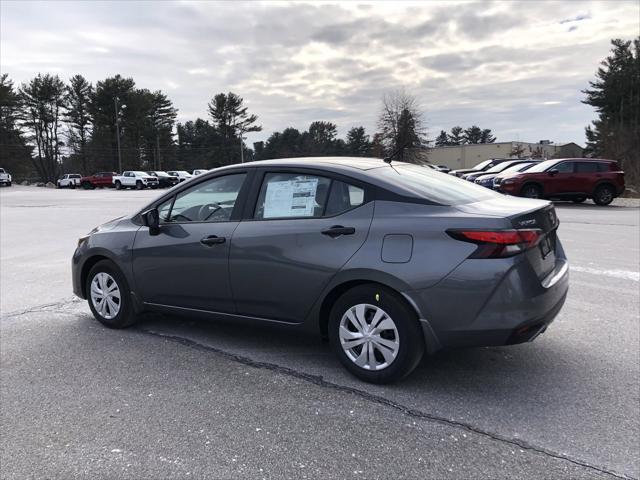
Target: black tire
[[604, 195], [118, 185], [8, 184], [410, 338], [531, 190], [58, 185], [126, 315], [139, 185], [86, 185], [578, 199], [72, 186]]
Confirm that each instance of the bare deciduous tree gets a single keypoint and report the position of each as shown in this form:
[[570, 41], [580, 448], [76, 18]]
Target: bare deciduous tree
[[402, 126]]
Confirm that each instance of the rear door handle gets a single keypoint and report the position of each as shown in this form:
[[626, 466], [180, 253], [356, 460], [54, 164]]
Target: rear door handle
[[212, 240], [338, 230]]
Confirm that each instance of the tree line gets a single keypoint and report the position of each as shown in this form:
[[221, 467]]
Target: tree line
[[464, 136], [48, 127]]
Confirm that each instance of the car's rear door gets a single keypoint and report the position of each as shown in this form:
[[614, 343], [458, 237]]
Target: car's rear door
[[186, 264], [587, 175], [299, 230]]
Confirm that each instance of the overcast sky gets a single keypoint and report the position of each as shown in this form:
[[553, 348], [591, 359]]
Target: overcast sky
[[515, 67]]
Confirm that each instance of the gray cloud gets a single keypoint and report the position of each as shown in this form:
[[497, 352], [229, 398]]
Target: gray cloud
[[512, 67]]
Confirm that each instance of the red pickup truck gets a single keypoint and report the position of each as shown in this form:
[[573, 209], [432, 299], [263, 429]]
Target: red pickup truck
[[567, 179], [100, 179]]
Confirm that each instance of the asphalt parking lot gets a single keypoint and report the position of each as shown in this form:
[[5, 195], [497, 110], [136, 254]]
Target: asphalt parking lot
[[174, 397]]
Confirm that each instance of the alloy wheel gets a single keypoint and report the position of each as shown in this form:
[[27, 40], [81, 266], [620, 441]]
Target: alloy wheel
[[105, 295], [369, 337]]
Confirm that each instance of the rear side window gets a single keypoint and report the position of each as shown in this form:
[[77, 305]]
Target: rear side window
[[588, 167], [433, 186], [343, 197], [292, 195]]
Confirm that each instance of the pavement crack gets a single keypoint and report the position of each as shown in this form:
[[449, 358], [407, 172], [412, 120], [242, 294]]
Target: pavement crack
[[44, 307], [320, 381]]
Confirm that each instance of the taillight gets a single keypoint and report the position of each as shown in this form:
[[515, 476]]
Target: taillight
[[498, 243]]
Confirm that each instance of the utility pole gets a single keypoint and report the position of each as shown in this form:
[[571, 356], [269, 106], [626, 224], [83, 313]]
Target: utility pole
[[115, 103]]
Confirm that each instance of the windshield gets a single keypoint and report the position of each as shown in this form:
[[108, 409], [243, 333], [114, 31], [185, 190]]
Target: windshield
[[521, 167], [483, 165], [501, 167], [542, 166], [434, 186]]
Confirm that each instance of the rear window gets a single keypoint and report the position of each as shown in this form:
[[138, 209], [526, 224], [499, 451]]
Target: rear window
[[434, 186]]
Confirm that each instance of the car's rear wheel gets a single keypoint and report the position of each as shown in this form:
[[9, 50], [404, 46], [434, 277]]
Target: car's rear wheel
[[531, 191], [578, 199], [604, 195], [86, 185], [375, 334], [108, 296], [118, 185]]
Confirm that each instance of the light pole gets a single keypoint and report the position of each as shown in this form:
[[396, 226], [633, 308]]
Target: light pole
[[241, 149], [115, 103]]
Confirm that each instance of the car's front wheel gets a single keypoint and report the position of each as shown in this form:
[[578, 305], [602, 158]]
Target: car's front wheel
[[531, 191], [375, 334], [139, 185], [603, 195], [108, 296]]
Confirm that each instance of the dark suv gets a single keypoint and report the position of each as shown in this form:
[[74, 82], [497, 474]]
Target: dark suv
[[568, 179]]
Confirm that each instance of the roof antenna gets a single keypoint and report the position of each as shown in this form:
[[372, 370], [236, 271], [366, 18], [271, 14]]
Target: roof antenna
[[389, 158]]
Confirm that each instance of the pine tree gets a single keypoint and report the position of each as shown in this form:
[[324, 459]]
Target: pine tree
[[615, 95]]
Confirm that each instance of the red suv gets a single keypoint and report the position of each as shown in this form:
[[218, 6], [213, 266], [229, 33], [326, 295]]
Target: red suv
[[568, 179], [100, 179]]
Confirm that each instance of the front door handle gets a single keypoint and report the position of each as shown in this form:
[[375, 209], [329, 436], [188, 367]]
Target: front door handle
[[338, 230], [212, 240]]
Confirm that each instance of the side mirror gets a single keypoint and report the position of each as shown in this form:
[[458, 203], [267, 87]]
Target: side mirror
[[151, 219], [553, 172]]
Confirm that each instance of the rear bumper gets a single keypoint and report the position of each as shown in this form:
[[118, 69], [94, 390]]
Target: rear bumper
[[476, 305]]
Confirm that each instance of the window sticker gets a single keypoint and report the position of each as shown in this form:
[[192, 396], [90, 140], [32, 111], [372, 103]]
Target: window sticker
[[290, 198]]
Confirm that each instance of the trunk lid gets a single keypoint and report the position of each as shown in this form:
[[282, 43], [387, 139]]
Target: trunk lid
[[524, 213]]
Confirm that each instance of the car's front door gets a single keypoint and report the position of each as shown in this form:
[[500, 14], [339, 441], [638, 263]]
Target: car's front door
[[560, 179], [303, 229], [186, 264]]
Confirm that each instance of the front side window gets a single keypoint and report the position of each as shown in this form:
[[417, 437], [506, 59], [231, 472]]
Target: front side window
[[564, 167], [210, 201]]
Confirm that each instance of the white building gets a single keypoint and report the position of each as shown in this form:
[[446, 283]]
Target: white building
[[466, 156]]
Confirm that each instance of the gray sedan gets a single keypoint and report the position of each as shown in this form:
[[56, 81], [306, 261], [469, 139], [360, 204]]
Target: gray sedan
[[388, 261]]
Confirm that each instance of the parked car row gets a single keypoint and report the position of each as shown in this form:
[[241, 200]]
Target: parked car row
[[137, 179], [573, 179]]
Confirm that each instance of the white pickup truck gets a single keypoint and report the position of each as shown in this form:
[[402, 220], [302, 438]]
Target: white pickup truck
[[135, 179], [69, 180], [5, 177]]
